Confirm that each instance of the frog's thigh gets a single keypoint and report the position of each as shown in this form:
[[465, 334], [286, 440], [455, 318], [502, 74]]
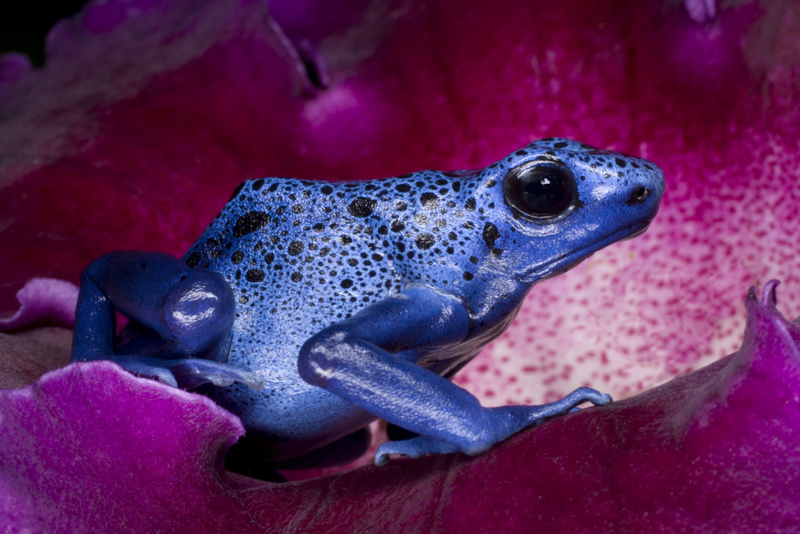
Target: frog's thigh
[[190, 310], [364, 360]]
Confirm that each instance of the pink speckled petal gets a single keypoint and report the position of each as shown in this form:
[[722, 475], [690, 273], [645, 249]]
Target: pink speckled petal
[[90, 448], [149, 112], [43, 301]]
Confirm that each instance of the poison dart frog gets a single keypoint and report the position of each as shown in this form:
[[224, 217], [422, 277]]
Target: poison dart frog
[[309, 309]]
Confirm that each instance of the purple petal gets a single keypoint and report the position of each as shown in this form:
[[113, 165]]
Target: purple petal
[[90, 447], [148, 114], [713, 451], [43, 301]]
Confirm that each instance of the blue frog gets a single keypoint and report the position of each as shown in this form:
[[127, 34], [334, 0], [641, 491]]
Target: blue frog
[[309, 309]]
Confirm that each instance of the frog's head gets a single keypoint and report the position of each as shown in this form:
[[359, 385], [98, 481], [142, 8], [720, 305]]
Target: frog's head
[[563, 200]]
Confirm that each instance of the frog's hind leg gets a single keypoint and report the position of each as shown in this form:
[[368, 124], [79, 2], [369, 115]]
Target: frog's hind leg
[[181, 319]]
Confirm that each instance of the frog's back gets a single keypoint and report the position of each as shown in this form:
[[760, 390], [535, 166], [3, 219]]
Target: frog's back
[[301, 255]]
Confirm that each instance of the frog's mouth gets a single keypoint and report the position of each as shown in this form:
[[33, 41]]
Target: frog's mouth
[[637, 233], [562, 264]]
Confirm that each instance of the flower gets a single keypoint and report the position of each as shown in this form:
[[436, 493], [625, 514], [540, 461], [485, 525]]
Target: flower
[[712, 451], [148, 113]]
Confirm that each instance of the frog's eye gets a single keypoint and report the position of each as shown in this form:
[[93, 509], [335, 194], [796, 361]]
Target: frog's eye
[[540, 191]]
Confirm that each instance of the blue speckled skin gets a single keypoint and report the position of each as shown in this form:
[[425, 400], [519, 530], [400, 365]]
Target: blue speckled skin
[[353, 300]]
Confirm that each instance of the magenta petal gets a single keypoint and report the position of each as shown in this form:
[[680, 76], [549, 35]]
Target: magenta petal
[[90, 447], [43, 301], [41, 344], [149, 112], [713, 451]]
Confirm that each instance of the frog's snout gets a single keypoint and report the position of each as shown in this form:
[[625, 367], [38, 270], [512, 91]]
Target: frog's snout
[[650, 188], [645, 196]]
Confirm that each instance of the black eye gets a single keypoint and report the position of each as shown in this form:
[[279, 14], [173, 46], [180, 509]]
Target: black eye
[[540, 191]]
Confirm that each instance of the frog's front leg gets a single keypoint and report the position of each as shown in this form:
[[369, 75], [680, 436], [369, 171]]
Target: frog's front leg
[[371, 360], [181, 319], [509, 419]]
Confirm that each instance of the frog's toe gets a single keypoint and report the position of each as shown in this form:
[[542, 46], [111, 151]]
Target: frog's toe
[[221, 382], [193, 372], [584, 394], [165, 377], [414, 448], [253, 382], [599, 399], [146, 368]]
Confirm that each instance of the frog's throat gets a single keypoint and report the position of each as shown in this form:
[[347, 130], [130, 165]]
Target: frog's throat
[[561, 264]]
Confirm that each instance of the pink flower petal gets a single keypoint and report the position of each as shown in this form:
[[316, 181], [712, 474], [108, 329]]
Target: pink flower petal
[[91, 448], [148, 113], [34, 351], [43, 300]]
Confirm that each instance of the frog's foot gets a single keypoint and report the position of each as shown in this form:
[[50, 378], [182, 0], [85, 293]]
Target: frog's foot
[[414, 448], [499, 424], [188, 373]]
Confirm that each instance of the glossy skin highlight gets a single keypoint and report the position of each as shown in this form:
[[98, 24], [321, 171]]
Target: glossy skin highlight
[[315, 307]]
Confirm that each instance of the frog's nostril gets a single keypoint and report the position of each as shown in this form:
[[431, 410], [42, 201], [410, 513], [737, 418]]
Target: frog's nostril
[[638, 195]]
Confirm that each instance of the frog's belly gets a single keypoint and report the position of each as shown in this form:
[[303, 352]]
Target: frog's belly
[[288, 417]]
